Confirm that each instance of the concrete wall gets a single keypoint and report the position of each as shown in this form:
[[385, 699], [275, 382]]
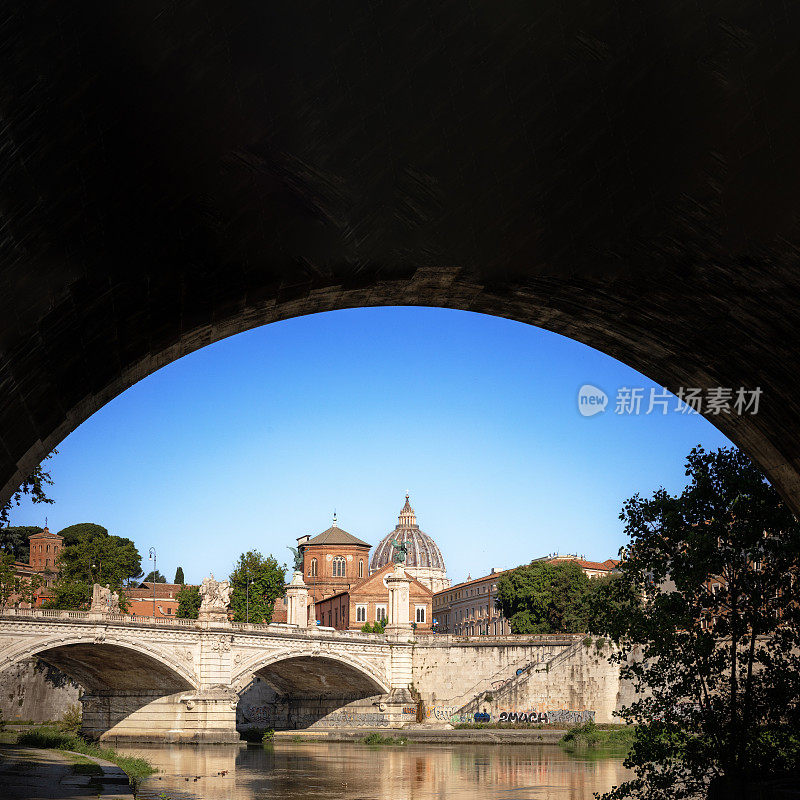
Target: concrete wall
[[576, 685], [449, 673], [34, 690]]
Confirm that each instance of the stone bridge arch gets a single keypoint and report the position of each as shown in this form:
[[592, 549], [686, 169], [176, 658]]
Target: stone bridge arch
[[301, 687], [107, 662], [623, 192]]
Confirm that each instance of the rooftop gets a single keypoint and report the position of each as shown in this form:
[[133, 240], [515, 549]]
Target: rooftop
[[335, 535]]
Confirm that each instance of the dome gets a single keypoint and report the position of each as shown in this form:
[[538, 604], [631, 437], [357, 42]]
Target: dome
[[423, 552]]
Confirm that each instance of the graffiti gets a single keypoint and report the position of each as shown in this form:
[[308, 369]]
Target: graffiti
[[409, 710], [351, 719], [553, 716], [478, 717]]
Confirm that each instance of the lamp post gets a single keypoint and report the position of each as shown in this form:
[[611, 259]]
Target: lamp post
[[247, 594], [155, 572]]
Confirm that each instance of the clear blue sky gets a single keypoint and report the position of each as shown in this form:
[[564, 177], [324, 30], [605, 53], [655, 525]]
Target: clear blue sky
[[254, 441]]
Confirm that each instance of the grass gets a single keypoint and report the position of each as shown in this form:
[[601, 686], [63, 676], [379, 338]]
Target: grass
[[618, 738], [380, 739], [51, 739]]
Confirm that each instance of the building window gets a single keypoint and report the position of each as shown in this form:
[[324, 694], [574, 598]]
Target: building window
[[360, 567], [361, 613], [339, 567], [312, 570], [329, 620], [380, 612], [420, 615]]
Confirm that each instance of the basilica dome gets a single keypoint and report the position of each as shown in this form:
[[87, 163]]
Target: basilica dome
[[424, 559]]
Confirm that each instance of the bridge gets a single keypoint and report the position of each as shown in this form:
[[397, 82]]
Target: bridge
[[183, 680], [179, 680]]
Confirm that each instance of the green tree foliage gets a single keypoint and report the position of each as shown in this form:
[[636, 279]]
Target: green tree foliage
[[14, 588], [717, 635], [379, 626], [154, 577], [93, 556], [188, 602], [33, 487], [545, 598], [266, 579], [14, 540], [179, 576], [73, 533]]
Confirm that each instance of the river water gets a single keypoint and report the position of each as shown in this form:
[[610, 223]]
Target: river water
[[346, 771]]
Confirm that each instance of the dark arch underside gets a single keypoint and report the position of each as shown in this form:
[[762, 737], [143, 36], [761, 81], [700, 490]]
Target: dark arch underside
[[304, 677], [107, 668], [176, 173]]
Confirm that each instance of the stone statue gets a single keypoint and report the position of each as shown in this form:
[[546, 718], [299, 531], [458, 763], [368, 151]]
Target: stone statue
[[104, 601], [400, 550], [215, 595], [298, 558]]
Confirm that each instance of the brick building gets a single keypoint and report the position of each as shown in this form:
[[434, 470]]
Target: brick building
[[368, 601], [140, 600]]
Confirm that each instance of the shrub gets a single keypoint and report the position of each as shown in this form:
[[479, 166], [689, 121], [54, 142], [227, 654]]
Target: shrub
[[71, 719], [582, 735]]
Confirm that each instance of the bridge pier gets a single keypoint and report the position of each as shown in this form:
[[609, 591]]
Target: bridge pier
[[207, 717]]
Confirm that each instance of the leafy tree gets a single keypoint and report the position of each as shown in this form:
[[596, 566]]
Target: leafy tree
[[34, 487], [609, 598], [154, 577], [188, 602], [379, 626], [179, 576], [93, 556], [13, 586], [14, 540], [73, 533], [717, 632], [545, 598], [266, 580]]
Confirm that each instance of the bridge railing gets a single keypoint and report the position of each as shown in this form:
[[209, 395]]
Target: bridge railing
[[174, 622]]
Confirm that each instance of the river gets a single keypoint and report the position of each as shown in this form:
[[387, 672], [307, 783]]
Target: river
[[347, 771]]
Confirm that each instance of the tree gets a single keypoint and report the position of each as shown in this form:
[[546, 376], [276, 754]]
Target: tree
[[72, 533], [718, 632], [34, 487], [93, 556], [265, 578], [15, 540], [179, 576], [154, 577], [545, 598], [188, 602], [12, 586]]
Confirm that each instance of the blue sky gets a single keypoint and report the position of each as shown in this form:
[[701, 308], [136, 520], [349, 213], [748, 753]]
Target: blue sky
[[254, 441]]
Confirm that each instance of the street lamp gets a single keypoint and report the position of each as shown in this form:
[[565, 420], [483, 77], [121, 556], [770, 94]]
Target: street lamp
[[247, 612], [155, 572]]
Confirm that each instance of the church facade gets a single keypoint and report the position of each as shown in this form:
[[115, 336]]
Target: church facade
[[348, 589]]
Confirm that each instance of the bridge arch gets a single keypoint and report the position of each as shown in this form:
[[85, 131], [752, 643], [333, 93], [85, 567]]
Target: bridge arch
[[108, 664], [623, 194], [309, 671]]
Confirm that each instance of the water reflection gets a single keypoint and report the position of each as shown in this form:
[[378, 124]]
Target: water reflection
[[351, 772]]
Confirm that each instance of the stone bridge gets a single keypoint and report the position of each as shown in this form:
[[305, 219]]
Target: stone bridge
[[177, 680], [180, 680]]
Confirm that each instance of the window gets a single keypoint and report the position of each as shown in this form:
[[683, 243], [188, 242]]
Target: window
[[361, 613], [312, 570], [329, 620], [336, 618], [420, 614], [339, 567], [380, 612], [360, 567]]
